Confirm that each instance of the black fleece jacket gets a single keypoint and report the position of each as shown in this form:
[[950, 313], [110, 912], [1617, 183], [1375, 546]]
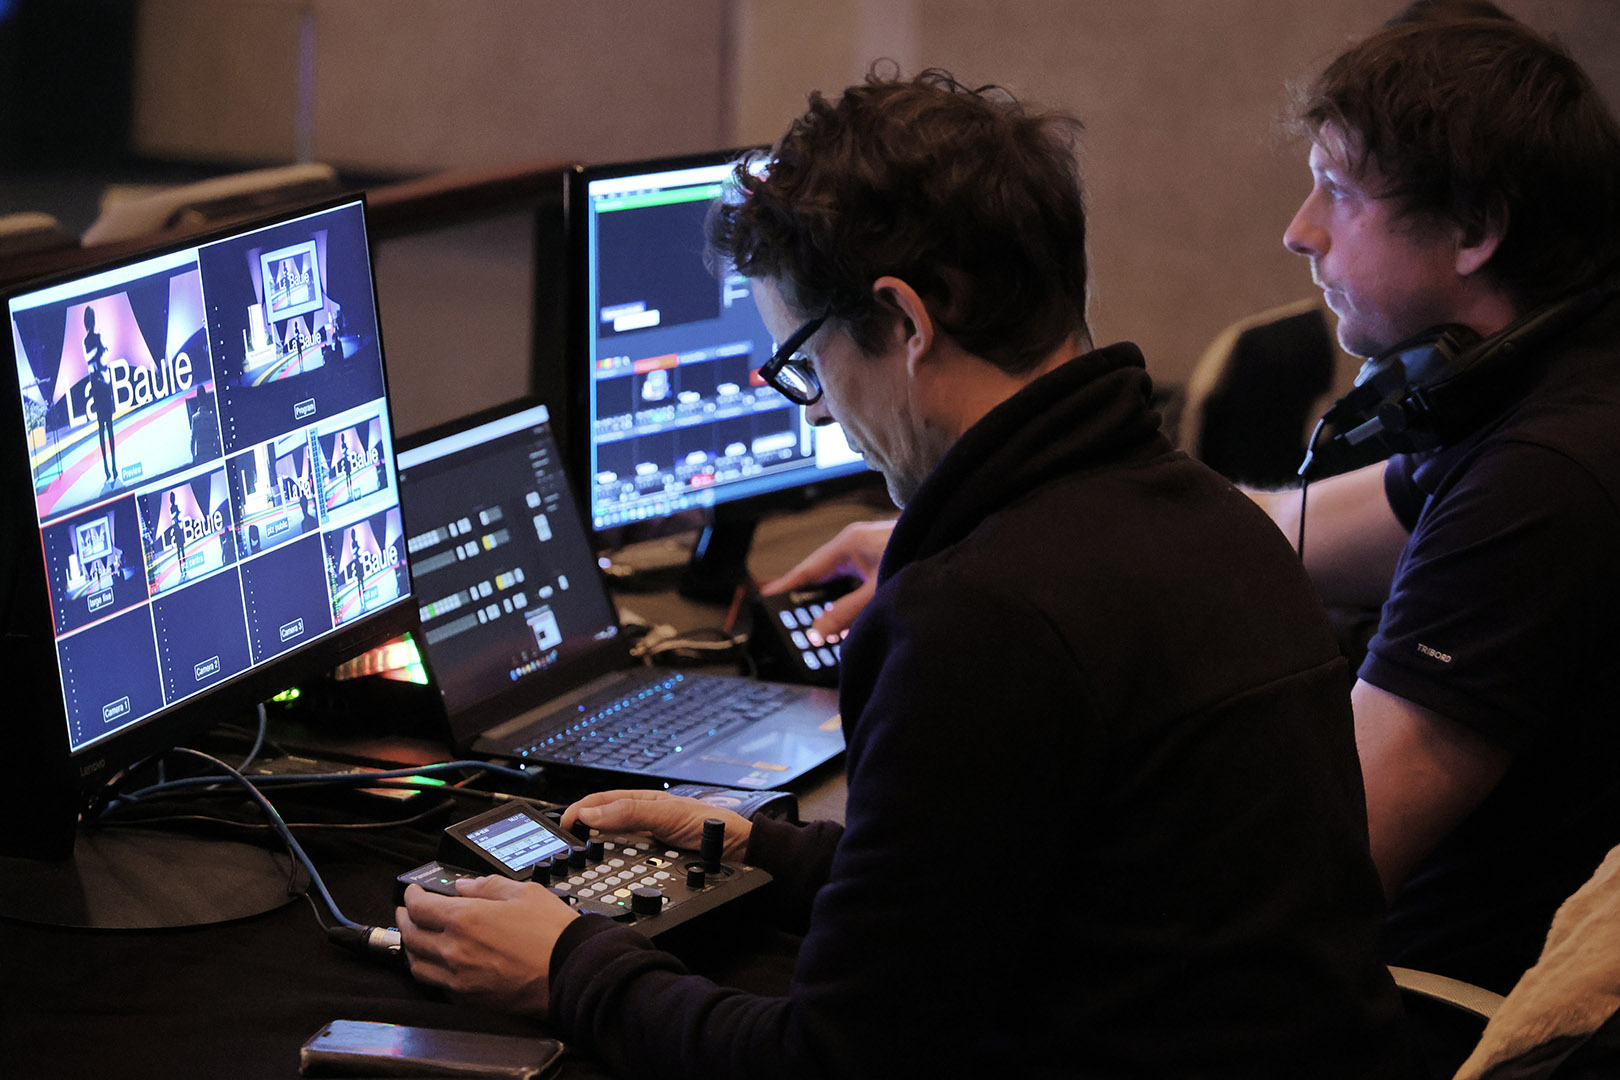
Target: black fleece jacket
[[1105, 816]]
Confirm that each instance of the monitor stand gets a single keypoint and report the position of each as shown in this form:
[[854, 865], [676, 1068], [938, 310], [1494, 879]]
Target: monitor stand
[[720, 557], [139, 878]]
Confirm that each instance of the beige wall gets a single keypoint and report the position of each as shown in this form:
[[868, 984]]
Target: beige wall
[[217, 81], [1190, 181], [422, 84], [1190, 184]]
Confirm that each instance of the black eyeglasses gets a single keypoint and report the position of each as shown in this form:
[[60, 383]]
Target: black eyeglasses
[[790, 372]]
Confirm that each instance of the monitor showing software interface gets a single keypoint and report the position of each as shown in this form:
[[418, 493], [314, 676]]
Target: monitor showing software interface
[[212, 466], [679, 417]]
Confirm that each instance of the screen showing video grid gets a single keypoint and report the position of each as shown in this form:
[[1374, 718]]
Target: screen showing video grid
[[212, 461]]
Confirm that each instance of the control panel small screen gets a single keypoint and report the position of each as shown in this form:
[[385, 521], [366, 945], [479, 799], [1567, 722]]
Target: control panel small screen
[[506, 838]]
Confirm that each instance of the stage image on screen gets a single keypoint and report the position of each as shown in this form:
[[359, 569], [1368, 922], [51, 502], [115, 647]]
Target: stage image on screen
[[273, 493], [211, 456], [94, 561], [292, 282], [189, 528], [292, 325], [351, 464], [366, 562], [117, 387]]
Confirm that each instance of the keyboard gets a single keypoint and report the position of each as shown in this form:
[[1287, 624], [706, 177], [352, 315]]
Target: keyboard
[[673, 715]]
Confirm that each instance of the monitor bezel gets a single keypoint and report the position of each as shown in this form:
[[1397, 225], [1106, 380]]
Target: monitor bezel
[[30, 630]]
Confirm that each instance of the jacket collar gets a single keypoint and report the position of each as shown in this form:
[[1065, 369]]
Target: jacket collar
[[1092, 411]]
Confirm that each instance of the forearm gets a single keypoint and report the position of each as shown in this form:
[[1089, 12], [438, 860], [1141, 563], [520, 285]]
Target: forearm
[[1422, 774], [799, 859], [1352, 540], [643, 1013]]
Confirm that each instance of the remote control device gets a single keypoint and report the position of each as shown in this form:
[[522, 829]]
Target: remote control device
[[629, 878], [785, 646]]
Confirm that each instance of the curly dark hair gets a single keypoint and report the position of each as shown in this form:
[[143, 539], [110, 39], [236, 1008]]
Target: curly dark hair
[[1473, 119], [966, 195]]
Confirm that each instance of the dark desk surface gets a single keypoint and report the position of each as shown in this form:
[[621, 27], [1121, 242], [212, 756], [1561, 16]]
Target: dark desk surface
[[237, 1000]]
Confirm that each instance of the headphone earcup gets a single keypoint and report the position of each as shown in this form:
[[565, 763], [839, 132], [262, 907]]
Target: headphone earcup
[[1438, 386]]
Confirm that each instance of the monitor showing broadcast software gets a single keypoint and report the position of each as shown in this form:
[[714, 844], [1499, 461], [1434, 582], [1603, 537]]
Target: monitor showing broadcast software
[[201, 437], [674, 414]]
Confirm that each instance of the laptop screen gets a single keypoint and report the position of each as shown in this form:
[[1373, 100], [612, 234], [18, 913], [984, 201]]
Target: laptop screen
[[509, 589]]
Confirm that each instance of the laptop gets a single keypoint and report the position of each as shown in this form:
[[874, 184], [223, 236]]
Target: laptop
[[524, 643]]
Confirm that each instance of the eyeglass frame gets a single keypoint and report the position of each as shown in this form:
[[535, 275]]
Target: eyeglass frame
[[771, 370]]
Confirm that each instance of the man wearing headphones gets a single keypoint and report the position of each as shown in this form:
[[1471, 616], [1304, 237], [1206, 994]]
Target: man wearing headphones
[[1467, 174]]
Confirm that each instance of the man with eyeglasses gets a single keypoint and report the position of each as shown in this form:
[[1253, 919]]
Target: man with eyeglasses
[[1103, 810]]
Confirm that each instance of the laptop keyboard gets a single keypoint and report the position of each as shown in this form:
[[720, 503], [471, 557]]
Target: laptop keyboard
[[637, 730]]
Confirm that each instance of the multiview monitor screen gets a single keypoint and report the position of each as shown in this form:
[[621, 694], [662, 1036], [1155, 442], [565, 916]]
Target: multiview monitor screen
[[209, 443], [678, 416]]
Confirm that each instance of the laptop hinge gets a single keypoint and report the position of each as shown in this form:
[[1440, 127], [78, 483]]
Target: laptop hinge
[[500, 734]]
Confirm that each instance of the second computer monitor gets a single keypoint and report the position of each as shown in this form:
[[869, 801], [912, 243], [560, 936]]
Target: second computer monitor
[[667, 390]]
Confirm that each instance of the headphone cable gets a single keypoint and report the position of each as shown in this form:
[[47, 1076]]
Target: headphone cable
[[1305, 483]]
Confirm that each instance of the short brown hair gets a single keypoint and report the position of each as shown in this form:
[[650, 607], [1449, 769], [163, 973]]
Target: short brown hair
[[1474, 119], [964, 194]]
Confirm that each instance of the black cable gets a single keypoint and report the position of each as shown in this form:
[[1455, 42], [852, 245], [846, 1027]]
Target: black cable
[[1305, 483], [1299, 535], [354, 779], [359, 937], [315, 910], [258, 826], [281, 829], [251, 736], [258, 739]]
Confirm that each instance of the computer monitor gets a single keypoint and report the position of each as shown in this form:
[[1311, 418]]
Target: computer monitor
[[201, 500], [670, 413]]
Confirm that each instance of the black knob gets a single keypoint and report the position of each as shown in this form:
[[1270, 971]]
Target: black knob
[[594, 850], [695, 877], [645, 901], [541, 870], [576, 857], [559, 868], [580, 829], [713, 844]]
